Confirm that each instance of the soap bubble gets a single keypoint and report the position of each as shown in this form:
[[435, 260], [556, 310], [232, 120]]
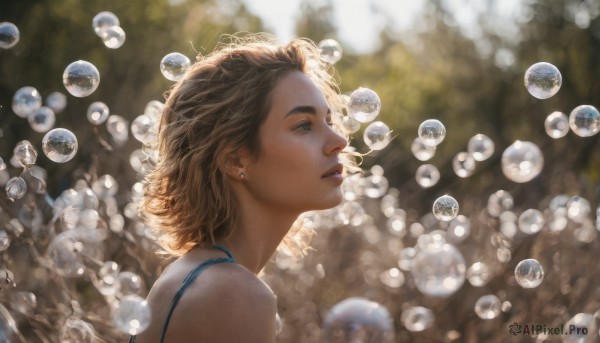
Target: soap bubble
[[556, 125], [392, 278], [463, 164], [15, 188], [113, 37], [427, 175], [174, 65], [42, 120], [417, 318], [439, 270], [479, 274], [144, 129], [132, 315], [26, 101], [488, 307], [4, 240], [522, 161], [405, 258], [422, 151], [76, 330], [358, 319], [445, 208], [585, 120], [331, 50], [69, 250], [129, 283], [9, 35], [57, 101], [97, 113], [364, 105], [481, 147], [104, 21], [59, 145], [578, 208], [377, 135], [499, 202], [432, 132], [529, 273], [543, 80], [458, 229], [81, 78], [118, 128], [396, 223], [105, 186], [531, 221], [350, 124], [25, 154]]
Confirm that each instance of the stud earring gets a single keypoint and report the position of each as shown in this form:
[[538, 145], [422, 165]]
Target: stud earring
[[242, 175]]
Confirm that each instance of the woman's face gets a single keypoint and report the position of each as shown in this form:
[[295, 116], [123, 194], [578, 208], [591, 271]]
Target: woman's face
[[298, 167]]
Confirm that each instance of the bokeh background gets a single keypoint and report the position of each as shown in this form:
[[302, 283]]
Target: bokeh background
[[456, 61]]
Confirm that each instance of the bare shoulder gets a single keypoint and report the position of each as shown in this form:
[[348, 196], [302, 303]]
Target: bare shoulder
[[227, 303]]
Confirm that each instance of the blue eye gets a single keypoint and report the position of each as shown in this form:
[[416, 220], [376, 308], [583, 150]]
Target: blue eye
[[305, 126]]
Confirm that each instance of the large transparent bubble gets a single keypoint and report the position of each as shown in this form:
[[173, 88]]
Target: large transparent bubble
[[556, 125], [364, 105], [543, 80], [76, 330], [529, 273], [417, 318], [488, 306], [445, 208], [585, 120], [358, 319], [439, 270], [71, 251], [57, 101], [26, 101], [97, 113], [104, 21], [522, 161], [427, 175], [60, 145], [531, 221], [463, 164], [422, 151], [174, 65], [432, 132], [9, 35], [132, 315], [81, 78], [481, 147], [42, 120], [331, 50], [377, 135], [113, 37]]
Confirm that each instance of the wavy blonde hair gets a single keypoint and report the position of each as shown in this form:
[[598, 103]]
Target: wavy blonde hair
[[215, 110]]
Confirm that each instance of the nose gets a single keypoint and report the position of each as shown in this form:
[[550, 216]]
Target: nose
[[335, 142]]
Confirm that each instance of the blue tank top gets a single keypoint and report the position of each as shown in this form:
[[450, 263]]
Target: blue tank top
[[193, 274]]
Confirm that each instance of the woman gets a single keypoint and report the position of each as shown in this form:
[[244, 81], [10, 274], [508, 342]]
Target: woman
[[247, 144]]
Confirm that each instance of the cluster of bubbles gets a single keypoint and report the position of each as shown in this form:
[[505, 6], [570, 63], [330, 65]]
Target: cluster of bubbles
[[79, 224], [107, 26]]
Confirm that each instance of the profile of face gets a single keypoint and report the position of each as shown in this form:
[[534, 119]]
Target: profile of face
[[298, 168]]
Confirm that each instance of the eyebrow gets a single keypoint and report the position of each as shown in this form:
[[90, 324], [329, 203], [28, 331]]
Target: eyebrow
[[305, 109]]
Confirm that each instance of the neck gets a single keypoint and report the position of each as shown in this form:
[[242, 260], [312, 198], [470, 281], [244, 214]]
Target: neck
[[257, 235]]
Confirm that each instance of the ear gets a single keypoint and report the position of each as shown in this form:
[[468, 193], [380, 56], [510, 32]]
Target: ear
[[235, 165]]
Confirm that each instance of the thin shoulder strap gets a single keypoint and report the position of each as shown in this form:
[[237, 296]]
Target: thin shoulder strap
[[188, 281]]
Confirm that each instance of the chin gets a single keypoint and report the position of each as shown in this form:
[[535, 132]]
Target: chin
[[330, 200]]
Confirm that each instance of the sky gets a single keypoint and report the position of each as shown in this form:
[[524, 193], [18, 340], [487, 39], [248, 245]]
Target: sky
[[358, 23]]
